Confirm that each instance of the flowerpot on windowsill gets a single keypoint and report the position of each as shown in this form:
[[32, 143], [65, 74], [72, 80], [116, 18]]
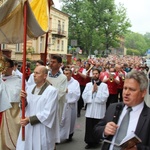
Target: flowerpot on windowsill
[[7, 52]]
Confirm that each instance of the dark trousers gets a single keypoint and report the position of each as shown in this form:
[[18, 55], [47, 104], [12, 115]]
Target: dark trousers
[[113, 98], [120, 94], [89, 126], [80, 101]]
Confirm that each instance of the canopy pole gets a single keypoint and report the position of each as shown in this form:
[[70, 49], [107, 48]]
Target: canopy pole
[[46, 40], [24, 65], [46, 43]]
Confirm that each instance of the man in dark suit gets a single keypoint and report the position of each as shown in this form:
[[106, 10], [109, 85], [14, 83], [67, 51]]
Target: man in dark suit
[[134, 90]]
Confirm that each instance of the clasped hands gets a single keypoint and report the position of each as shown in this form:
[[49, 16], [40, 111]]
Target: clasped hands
[[95, 87]]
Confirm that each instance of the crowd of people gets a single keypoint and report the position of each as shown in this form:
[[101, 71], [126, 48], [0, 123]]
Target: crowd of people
[[55, 95]]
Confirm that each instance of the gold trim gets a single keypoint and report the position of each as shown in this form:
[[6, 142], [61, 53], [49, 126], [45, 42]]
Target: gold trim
[[30, 34], [10, 16], [3, 63]]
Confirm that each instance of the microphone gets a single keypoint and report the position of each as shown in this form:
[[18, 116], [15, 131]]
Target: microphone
[[117, 113]]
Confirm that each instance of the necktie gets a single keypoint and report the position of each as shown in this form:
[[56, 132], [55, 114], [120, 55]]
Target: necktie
[[122, 131]]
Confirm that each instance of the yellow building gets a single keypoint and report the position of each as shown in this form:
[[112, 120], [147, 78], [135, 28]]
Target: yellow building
[[57, 39]]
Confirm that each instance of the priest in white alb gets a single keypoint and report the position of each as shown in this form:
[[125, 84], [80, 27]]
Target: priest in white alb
[[10, 87], [41, 116], [70, 108]]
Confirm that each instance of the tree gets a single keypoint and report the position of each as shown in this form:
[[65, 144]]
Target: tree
[[137, 42], [133, 52], [114, 25], [96, 24], [147, 39]]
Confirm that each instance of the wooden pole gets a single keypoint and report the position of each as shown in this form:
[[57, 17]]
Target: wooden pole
[[46, 43], [24, 65], [46, 40]]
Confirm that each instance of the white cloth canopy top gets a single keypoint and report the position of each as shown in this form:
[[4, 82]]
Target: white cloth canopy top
[[12, 20]]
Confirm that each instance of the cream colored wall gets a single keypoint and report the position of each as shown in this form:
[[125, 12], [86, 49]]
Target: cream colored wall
[[39, 47], [55, 15]]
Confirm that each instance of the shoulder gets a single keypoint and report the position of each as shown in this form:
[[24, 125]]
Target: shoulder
[[103, 84], [50, 91], [32, 74], [62, 77], [15, 78], [146, 110], [51, 88], [74, 80], [112, 108], [89, 84]]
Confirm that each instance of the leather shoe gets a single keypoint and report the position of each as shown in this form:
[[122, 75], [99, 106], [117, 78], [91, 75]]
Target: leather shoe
[[78, 115], [88, 147]]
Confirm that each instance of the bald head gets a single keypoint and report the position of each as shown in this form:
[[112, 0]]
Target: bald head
[[43, 69], [40, 75]]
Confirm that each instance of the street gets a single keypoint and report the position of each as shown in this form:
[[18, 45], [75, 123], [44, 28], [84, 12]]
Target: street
[[77, 142]]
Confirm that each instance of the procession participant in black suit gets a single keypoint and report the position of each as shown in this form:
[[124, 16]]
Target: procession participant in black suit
[[134, 90]]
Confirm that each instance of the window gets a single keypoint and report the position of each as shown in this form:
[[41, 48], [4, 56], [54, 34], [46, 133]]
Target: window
[[59, 26], [62, 45], [17, 47], [2, 46], [58, 45], [63, 27], [41, 43]]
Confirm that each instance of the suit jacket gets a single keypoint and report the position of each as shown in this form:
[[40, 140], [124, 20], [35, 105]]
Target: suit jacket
[[142, 128]]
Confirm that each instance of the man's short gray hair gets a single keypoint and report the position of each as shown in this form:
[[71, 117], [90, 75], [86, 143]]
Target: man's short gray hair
[[140, 77]]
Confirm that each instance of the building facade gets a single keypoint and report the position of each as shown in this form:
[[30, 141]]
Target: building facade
[[57, 39]]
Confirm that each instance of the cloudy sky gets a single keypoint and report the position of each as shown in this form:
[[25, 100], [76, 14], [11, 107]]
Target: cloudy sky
[[138, 11]]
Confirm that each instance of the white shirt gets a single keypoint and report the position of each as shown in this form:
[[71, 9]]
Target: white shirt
[[85, 72], [31, 80], [17, 73], [96, 102], [134, 117]]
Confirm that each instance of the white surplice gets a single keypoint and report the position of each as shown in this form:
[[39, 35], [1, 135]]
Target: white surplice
[[70, 109], [96, 102], [60, 83], [43, 135], [10, 88], [9, 91], [31, 80], [17, 73]]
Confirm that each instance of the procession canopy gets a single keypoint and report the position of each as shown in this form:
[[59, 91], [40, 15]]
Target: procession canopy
[[11, 20]]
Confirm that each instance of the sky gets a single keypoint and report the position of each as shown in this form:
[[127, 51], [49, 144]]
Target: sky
[[138, 12]]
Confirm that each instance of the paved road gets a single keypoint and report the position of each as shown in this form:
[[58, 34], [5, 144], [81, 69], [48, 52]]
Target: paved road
[[78, 139]]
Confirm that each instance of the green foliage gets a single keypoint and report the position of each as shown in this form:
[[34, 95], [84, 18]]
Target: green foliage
[[32, 66], [147, 39], [96, 24], [30, 50], [138, 42], [133, 52]]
